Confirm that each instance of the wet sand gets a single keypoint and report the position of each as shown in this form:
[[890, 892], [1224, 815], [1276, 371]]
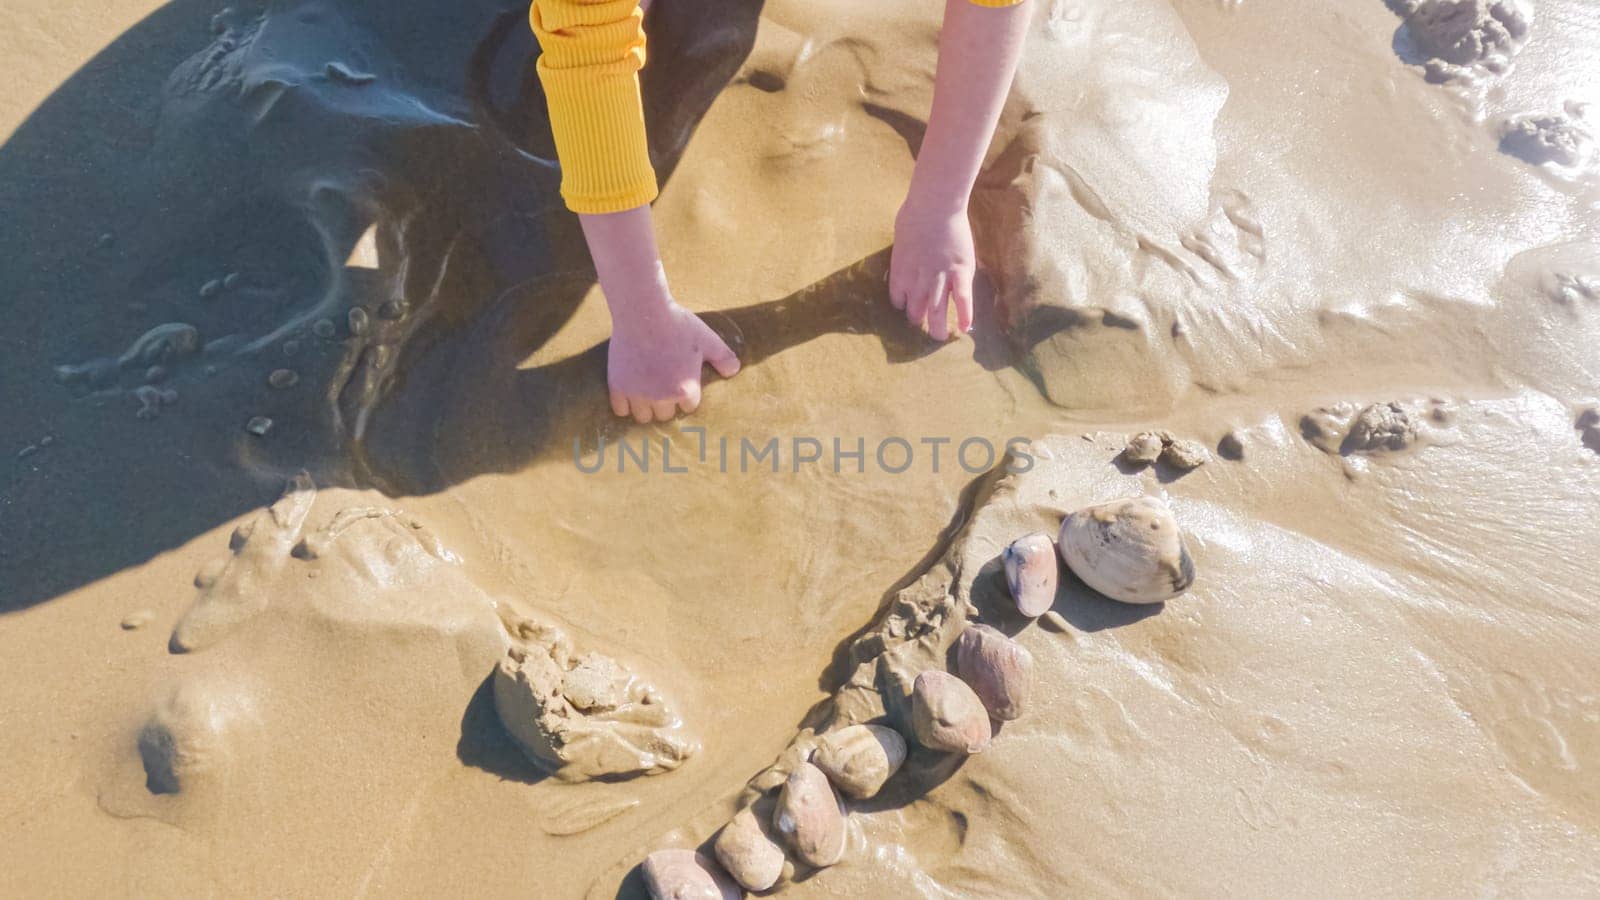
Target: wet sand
[[1255, 225]]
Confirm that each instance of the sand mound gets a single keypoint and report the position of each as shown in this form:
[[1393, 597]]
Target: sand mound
[[1456, 37]]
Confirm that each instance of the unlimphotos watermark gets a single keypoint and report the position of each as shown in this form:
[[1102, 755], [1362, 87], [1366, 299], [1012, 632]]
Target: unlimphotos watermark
[[892, 455]]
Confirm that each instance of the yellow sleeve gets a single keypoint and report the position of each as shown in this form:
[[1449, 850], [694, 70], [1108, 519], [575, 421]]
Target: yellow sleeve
[[592, 51]]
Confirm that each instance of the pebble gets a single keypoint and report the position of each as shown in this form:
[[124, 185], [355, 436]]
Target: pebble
[[1186, 455], [752, 857], [259, 426], [323, 328], [859, 759], [358, 320], [138, 620], [211, 289], [947, 715], [290, 348], [283, 379], [232, 281]]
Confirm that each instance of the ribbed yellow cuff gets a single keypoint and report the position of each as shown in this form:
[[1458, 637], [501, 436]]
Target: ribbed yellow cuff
[[592, 53], [598, 123]]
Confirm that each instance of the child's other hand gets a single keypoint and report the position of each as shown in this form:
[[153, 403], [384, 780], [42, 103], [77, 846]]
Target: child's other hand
[[931, 267], [653, 363]]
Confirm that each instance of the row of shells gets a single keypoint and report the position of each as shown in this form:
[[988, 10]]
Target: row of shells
[[1129, 550], [950, 713]]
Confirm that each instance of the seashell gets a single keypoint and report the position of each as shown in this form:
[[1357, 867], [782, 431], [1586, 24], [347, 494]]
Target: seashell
[[686, 875], [1143, 448], [810, 816], [1186, 455], [860, 758], [750, 856], [1129, 550], [999, 669], [947, 715], [1032, 571]]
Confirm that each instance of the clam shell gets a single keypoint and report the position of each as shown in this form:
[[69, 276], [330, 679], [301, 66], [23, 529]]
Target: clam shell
[[999, 669], [860, 758], [686, 875], [1129, 550], [1031, 573], [750, 856], [947, 715], [810, 816]]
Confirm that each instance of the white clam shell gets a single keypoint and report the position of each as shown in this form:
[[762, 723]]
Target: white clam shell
[[686, 875], [1129, 550], [860, 758], [1032, 573], [811, 817]]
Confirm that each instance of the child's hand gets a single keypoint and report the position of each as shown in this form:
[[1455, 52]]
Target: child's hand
[[931, 266], [653, 363]]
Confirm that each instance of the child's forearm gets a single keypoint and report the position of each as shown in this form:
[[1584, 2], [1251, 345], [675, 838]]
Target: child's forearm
[[979, 48], [623, 246]]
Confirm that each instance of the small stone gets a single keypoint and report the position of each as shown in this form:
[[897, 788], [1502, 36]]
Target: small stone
[[47, 440], [211, 289], [358, 321], [811, 817], [1186, 455], [999, 670], [947, 715], [859, 759], [290, 348], [394, 309], [155, 374], [749, 854], [105, 240], [1231, 446], [1143, 448], [138, 620], [1380, 427], [231, 282], [27, 451], [323, 328], [259, 426], [282, 379], [686, 875]]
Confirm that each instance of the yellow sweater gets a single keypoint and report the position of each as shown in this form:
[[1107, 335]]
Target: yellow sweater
[[592, 53]]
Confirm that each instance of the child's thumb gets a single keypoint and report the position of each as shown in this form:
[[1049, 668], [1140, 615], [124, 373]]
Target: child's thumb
[[722, 358]]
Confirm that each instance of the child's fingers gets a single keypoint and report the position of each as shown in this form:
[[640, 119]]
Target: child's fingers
[[619, 403], [961, 296], [897, 282], [939, 309], [664, 410], [689, 401], [721, 357], [641, 410], [917, 302]]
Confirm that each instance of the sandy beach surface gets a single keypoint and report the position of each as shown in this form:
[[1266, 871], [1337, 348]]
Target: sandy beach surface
[[298, 343]]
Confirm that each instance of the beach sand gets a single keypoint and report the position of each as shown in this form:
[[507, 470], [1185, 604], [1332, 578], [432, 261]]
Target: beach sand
[[299, 341]]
